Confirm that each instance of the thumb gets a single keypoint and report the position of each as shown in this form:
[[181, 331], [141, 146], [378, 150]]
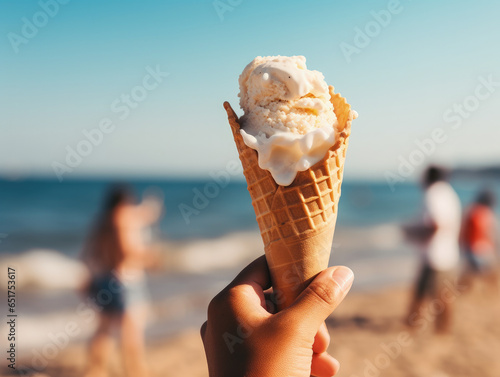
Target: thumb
[[321, 297]]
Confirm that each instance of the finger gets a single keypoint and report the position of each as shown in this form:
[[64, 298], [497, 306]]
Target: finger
[[324, 365], [246, 292], [270, 303], [256, 274], [321, 340], [320, 298], [203, 329]]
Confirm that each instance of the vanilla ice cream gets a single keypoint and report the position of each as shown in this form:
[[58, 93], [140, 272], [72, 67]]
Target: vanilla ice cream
[[289, 119]]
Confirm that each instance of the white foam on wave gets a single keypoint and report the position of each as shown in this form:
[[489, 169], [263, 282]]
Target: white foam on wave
[[46, 269], [233, 250], [385, 236]]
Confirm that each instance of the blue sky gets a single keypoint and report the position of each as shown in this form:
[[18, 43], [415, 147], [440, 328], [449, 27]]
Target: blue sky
[[403, 81]]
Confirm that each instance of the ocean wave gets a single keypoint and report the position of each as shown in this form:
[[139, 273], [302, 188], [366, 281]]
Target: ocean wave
[[45, 269], [199, 256]]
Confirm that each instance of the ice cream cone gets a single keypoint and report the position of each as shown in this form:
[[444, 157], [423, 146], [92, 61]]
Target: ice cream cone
[[297, 222]]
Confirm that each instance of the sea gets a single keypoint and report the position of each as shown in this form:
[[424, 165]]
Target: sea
[[210, 233], [46, 213]]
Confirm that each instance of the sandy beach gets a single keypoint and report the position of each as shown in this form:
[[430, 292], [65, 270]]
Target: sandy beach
[[368, 337]]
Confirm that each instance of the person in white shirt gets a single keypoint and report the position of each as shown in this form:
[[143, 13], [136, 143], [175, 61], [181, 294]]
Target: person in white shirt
[[439, 236]]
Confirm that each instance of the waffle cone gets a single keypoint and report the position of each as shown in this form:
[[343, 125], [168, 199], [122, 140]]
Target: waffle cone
[[297, 222]]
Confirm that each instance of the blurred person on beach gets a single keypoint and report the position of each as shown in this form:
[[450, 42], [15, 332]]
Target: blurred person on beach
[[244, 336], [116, 255], [479, 240], [437, 235]]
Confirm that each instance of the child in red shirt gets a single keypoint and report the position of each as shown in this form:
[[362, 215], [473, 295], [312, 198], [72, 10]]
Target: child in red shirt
[[478, 234]]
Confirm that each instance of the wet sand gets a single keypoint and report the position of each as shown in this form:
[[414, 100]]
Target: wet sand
[[368, 337]]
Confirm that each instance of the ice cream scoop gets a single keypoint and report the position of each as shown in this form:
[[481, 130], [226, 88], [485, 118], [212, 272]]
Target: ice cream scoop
[[288, 116]]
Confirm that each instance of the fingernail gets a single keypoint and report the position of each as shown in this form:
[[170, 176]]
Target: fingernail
[[343, 276]]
